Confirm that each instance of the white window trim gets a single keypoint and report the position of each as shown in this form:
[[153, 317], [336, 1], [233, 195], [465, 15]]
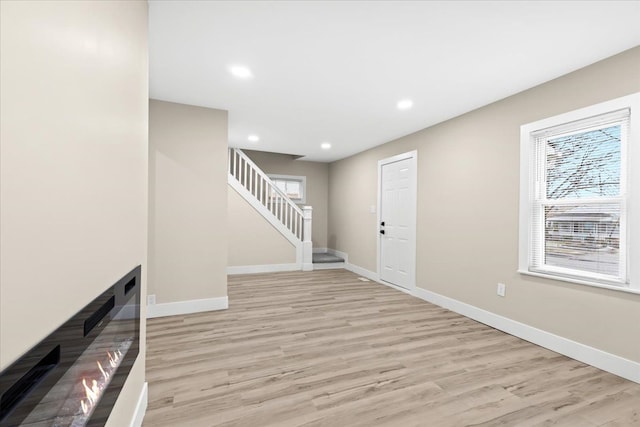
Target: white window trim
[[302, 179], [527, 145]]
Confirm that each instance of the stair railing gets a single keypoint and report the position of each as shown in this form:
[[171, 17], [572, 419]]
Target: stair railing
[[267, 195], [254, 180]]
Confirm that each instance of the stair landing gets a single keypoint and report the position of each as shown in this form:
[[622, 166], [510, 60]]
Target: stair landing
[[325, 258], [325, 261]]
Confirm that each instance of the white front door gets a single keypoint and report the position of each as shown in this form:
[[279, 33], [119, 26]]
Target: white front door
[[397, 219]]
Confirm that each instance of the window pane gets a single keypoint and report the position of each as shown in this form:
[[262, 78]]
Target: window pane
[[293, 190], [281, 184], [585, 164], [583, 237]]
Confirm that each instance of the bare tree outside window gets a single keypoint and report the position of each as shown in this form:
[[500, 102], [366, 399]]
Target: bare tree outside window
[[584, 165]]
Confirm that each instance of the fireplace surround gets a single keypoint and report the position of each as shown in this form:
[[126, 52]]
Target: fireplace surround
[[74, 376]]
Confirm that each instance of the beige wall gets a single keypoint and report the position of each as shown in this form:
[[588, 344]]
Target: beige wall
[[467, 230], [187, 202], [73, 166], [252, 239], [317, 185]]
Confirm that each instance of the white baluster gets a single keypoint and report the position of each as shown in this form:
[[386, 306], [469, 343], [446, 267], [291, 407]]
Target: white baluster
[[286, 215], [246, 174], [273, 200], [254, 183], [235, 163]]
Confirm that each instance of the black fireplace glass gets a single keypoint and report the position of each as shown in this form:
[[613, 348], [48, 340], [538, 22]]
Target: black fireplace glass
[[74, 376]]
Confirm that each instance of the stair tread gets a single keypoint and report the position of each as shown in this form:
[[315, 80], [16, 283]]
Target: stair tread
[[322, 258]]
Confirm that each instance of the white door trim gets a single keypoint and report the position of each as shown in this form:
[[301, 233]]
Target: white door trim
[[413, 156]]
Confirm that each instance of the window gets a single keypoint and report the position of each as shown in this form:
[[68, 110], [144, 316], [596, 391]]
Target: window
[[293, 186], [577, 197]]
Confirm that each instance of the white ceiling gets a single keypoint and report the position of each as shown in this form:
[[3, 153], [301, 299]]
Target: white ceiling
[[334, 71]]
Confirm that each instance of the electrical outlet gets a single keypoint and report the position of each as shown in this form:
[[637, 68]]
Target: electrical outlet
[[151, 299], [502, 289]]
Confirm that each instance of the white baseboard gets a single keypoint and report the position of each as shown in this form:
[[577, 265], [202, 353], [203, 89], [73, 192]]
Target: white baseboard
[[187, 307], [617, 365], [141, 407], [343, 255], [371, 275], [396, 287], [600, 359], [267, 268]]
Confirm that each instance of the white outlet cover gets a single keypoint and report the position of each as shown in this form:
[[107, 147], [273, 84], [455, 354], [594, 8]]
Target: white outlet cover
[[502, 289], [151, 299]]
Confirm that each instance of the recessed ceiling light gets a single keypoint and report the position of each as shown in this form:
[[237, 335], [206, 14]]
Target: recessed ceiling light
[[325, 145], [405, 104], [253, 138], [240, 71]]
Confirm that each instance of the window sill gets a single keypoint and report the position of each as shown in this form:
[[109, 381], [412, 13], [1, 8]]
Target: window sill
[[582, 282]]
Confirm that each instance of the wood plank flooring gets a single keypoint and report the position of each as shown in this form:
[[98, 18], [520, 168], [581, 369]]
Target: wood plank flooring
[[326, 349]]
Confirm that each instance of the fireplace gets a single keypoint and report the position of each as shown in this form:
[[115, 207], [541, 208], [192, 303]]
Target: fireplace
[[74, 376]]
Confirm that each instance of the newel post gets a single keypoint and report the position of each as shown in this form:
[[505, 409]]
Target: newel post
[[307, 245]]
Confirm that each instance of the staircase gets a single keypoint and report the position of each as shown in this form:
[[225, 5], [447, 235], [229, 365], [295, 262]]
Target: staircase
[[273, 204]]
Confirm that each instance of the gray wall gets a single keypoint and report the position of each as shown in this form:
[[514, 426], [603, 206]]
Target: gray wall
[[467, 230], [73, 172], [187, 202], [252, 239]]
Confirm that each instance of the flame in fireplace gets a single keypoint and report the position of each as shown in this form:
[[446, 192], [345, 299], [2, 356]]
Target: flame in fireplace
[[105, 375], [114, 358], [93, 391]]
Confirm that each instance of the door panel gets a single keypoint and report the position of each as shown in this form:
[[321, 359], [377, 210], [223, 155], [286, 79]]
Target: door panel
[[397, 244]]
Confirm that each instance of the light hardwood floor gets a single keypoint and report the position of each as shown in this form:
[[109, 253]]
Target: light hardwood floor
[[324, 348]]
